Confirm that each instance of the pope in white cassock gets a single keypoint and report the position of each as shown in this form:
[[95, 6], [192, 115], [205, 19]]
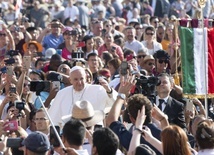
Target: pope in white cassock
[[101, 97]]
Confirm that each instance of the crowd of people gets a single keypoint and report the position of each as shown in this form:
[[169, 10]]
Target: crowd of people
[[106, 74]]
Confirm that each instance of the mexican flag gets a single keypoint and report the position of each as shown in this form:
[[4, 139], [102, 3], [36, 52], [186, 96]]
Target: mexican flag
[[195, 70]]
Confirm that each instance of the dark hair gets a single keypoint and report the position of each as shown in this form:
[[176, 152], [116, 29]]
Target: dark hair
[[67, 63], [105, 141], [115, 63], [30, 29], [107, 57], [55, 20], [152, 18], [136, 102], [151, 28], [128, 51], [39, 59], [85, 39], [56, 57], [32, 114], [144, 149], [119, 41], [74, 132], [40, 73], [91, 55], [161, 54], [205, 134]]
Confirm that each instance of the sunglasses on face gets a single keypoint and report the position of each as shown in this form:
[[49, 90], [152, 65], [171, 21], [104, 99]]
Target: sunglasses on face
[[55, 26], [2, 34], [151, 64], [151, 34], [163, 61], [96, 22], [141, 56]]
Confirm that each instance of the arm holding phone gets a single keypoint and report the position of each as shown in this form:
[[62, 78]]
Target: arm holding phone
[[21, 80], [10, 37], [200, 105], [43, 34], [26, 34]]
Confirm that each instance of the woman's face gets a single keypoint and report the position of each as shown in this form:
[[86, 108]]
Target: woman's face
[[108, 38], [3, 38], [90, 44], [111, 69], [67, 36], [13, 112], [169, 30], [26, 88], [149, 35], [162, 64], [108, 26], [32, 48]]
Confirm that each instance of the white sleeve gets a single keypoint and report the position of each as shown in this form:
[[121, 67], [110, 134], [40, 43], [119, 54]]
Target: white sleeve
[[55, 111]]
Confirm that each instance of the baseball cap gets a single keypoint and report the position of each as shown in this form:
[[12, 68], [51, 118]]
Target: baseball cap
[[37, 142], [67, 28], [49, 52]]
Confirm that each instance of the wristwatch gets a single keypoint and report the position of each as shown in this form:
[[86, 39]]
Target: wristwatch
[[121, 96]]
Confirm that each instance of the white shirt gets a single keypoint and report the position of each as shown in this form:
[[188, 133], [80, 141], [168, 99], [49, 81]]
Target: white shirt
[[63, 102], [82, 152], [135, 45], [163, 105], [156, 46], [71, 12], [206, 152]]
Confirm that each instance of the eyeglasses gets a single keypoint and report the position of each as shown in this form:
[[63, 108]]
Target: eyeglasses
[[108, 25], [138, 28], [163, 61], [156, 22], [141, 56], [2, 34], [41, 119], [151, 64], [67, 33], [150, 34], [96, 21]]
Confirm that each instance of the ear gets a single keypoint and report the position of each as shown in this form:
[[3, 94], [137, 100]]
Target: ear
[[132, 119], [94, 150], [63, 139]]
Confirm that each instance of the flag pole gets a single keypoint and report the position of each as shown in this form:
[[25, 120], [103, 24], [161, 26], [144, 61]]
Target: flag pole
[[202, 5]]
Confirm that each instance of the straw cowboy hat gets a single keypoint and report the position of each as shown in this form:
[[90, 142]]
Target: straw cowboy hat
[[83, 110], [148, 57], [38, 45]]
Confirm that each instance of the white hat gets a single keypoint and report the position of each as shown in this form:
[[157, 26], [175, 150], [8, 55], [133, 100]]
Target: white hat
[[49, 52], [133, 20], [83, 110], [77, 68]]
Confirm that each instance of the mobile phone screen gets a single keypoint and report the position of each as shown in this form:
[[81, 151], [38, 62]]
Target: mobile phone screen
[[124, 67], [53, 138]]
